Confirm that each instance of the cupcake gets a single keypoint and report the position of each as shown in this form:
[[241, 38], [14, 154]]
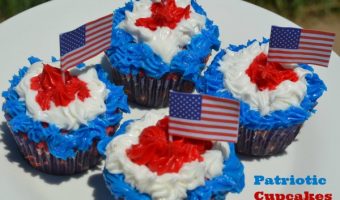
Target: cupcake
[[141, 163], [158, 46], [59, 128], [276, 99]]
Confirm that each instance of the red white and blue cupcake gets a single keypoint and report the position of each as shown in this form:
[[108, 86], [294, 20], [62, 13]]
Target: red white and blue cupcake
[[276, 99], [60, 127], [141, 163], [158, 46]]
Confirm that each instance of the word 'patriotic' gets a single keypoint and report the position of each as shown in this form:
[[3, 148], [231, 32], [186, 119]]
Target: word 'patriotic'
[[204, 117], [294, 45], [85, 42]]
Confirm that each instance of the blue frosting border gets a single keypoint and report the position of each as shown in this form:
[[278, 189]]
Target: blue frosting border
[[64, 146], [232, 180], [130, 57], [212, 83]]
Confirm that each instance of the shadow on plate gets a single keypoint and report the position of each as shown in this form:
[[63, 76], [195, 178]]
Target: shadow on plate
[[243, 157], [14, 156], [100, 192]]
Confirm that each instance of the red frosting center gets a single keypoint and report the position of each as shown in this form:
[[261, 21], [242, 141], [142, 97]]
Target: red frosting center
[[165, 13], [268, 75], [162, 156], [52, 88]]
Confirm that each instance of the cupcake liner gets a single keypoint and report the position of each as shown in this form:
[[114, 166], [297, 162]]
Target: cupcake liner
[[265, 142], [40, 158], [151, 92]]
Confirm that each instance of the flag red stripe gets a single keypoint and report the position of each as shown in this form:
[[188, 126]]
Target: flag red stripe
[[317, 38], [317, 32], [219, 106], [96, 27], [325, 64], [232, 122], [299, 58], [203, 125], [204, 132], [200, 138], [219, 113], [219, 120], [316, 49], [100, 19], [300, 50], [106, 29], [221, 100], [317, 44], [87, 55], [84, 49], [299, 53], [106, 33]]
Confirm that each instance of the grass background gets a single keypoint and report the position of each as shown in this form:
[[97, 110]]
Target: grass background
[[314, 14], [9, 8], [311, 14]]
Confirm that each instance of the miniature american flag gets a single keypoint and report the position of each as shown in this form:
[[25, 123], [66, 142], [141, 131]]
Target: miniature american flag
[[203, 117], [294, 45], [85, 42]]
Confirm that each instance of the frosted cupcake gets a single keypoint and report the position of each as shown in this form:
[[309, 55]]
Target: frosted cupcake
[[60, 127], [141, 163], [158, 46], [276, 99]]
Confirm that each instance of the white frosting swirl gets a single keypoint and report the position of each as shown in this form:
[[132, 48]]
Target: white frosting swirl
[[164, 41], [77, 112], [288, 93], [169, 186]]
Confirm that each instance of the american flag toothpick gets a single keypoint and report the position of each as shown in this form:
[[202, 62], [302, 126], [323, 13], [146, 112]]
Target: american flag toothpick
[[204, 117], [85, 42], [295, 45]]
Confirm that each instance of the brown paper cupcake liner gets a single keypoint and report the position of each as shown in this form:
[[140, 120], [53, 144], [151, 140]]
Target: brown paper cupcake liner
[[40, 158], [265, 142], [151, 92]]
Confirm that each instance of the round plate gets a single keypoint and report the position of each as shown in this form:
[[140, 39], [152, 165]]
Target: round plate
[[36, 32]]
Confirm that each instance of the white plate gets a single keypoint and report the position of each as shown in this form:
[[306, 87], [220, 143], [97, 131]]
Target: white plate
[[35, 32]]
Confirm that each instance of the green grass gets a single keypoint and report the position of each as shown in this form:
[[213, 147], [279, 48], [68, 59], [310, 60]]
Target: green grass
[[294, 9], [9, 8], [291, 9]]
